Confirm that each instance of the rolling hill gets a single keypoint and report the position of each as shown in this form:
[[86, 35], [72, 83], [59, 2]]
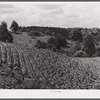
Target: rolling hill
[[33, 68]]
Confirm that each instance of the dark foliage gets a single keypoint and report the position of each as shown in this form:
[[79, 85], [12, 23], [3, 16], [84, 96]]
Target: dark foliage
[[57, 42], [14, 26], [49, 30], [40, 44], [76, 34], [88, 45], [35, 33], [5, 36], [23, 29], [60, 35], [97, 54]]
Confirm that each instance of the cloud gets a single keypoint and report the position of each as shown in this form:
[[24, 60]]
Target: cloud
[[65, 14], [68, 14], [8, 9], [6, 6], [48, 6], [57, 11]]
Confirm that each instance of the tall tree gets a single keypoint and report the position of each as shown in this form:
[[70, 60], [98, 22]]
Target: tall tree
[[14, 26], [88, 45], [5, 36], [4, 24]]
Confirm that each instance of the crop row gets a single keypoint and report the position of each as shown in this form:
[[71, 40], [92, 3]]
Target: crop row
[[48, 69]]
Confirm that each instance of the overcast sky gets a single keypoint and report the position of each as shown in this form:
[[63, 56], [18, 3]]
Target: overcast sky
[[54, 14]]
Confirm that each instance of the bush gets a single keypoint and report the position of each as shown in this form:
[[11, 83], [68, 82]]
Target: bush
[[10, 38], [40, 44], [51, 42], [57, 42]]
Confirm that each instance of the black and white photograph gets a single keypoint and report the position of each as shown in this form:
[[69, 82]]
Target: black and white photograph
[[50, 45]]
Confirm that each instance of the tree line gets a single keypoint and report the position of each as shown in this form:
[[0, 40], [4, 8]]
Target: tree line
[[89, 42]]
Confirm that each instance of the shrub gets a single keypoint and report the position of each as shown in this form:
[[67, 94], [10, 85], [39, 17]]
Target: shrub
[[40, 44], [57, 42], [10, 38], [51, 42]]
